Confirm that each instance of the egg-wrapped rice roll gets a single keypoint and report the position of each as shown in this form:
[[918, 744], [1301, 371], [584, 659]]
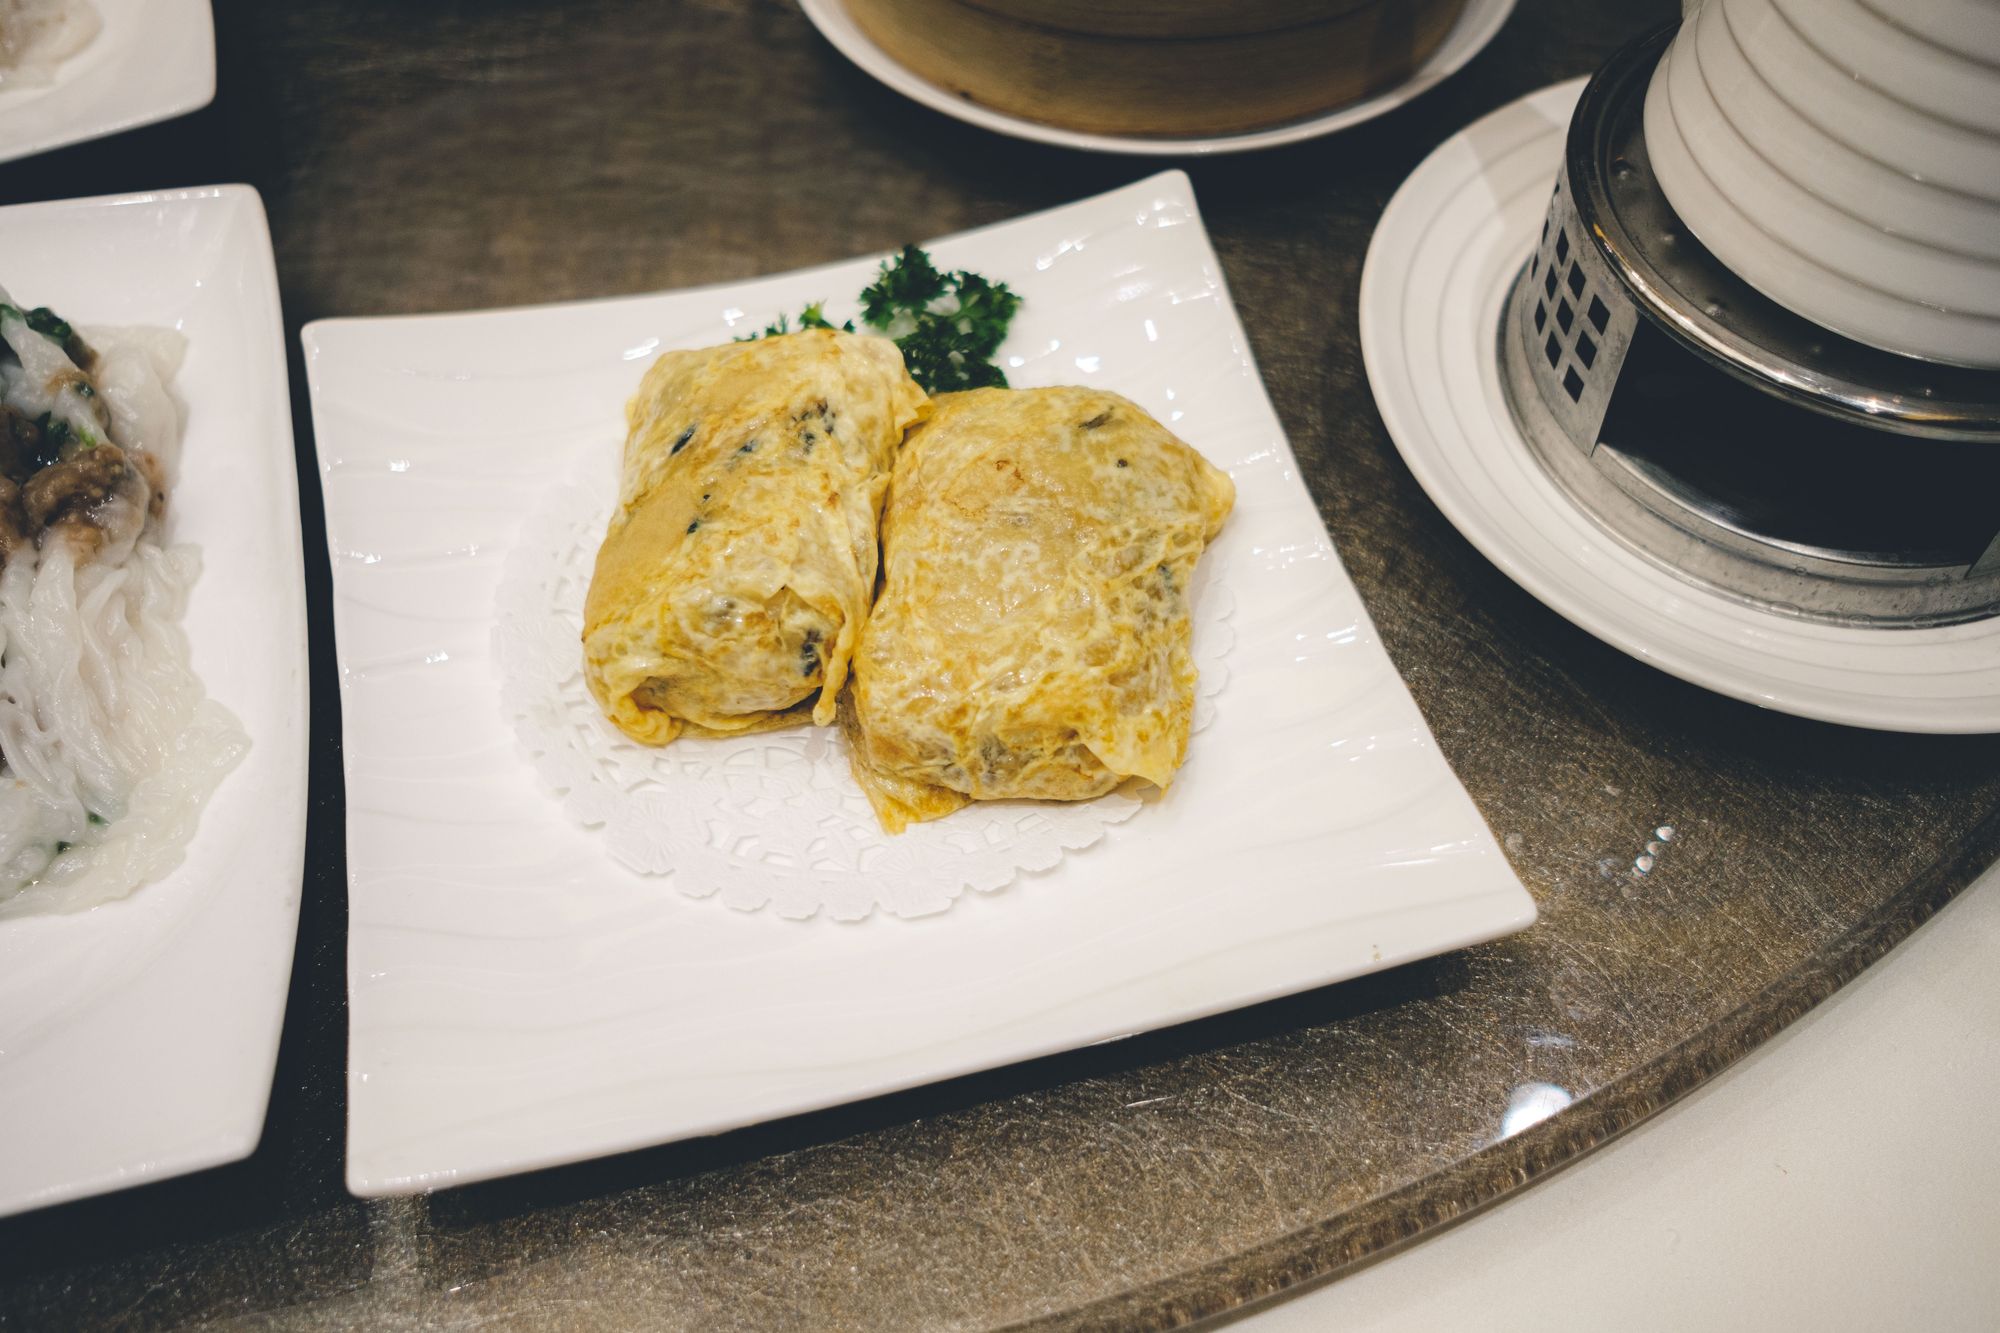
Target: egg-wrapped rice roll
[[739, 565], [1032, 634]]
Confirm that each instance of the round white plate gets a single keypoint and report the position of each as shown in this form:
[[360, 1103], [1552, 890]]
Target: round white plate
[[1436, 277], [1474, 29]]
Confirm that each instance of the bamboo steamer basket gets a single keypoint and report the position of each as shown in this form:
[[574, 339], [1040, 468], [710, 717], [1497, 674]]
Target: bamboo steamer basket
[[1166, 67]]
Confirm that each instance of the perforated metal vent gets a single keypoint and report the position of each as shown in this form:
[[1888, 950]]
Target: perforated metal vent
[[1579, 321]]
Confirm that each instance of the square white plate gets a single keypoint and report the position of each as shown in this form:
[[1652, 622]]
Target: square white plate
[[517, 1000], [137, 1040], [152, 61]]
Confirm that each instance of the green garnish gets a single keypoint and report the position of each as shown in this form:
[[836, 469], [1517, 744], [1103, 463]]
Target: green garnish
[[49, 324], [53, 436], [948, 325], [812, 317], [42, 320]]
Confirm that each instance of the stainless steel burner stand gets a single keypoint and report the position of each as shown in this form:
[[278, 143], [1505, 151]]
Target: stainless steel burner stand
[[1721, 436]]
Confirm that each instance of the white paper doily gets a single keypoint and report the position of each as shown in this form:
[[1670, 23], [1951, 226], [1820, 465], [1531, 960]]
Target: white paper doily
[[773, 819]]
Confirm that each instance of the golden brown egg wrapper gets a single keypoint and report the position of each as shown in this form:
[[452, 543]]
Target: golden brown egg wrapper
[[739, 565], [1032, 634]]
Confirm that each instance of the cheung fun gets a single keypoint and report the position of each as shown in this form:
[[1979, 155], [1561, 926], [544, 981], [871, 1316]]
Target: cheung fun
[[108, 748]]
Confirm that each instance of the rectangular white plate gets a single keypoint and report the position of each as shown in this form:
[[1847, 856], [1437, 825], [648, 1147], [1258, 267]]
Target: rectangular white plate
[[153, 60], [137, 1040], [517, 1000]]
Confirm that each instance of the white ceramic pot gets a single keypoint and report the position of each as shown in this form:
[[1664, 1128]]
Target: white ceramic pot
[[1844, 164], [1965, 26], [1859, 42], [1874, 192]]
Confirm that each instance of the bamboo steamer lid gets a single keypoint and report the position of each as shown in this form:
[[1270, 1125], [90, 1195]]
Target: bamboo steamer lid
[[1168, 67]]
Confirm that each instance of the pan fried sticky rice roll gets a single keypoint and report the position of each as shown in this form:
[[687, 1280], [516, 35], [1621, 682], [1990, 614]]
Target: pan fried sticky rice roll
[[1032, 634], [740, 562]]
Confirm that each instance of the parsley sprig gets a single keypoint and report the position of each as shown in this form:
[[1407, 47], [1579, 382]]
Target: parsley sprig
[[812, 317], [949, 325]]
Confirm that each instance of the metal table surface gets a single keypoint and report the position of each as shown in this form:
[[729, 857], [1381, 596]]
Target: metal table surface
[[444, 154]]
